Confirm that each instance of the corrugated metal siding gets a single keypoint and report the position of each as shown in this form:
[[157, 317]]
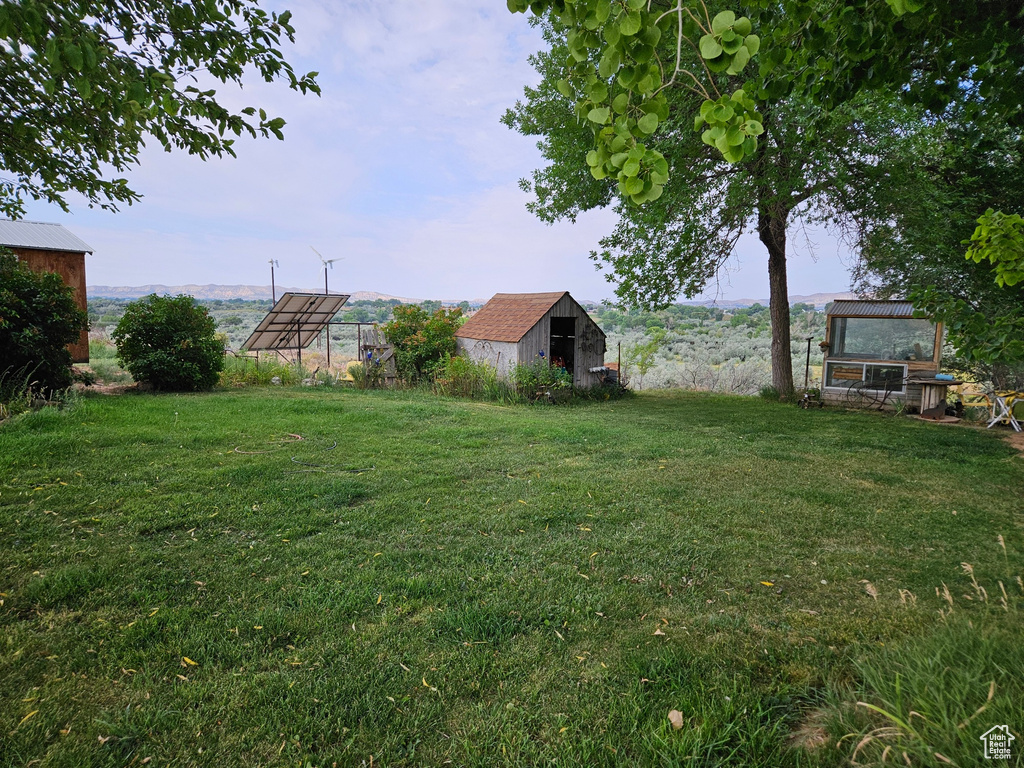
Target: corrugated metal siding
[[844, 308], [40, 235]]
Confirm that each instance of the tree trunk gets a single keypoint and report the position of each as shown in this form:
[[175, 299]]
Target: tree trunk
[[771, 227]]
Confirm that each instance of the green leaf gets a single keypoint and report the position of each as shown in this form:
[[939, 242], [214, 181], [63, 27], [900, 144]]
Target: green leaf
[[598, 115], [612, 34], [742, 26], [752, 43], [709, 47], [620, 103], [83, 87], [722, 22], [739, 61], [733, 154], [603, 10], [598, 92], [629, 23], [618, 159], [592, 158], [609, 63], [564, 88], [73, 55], [648, 123]]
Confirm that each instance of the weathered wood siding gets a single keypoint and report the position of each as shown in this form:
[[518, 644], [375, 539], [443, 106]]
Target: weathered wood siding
[[71, 267], [590, 341], [499, 355]]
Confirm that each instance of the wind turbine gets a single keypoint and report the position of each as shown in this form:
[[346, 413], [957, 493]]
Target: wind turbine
[[273, 289], [326, 263]]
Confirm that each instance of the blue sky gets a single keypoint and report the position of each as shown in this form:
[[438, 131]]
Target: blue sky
[[401, 169]]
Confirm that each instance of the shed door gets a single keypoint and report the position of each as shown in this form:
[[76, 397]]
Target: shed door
[[563, 342]]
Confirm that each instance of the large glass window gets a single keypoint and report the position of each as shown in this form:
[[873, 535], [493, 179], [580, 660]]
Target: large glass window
[[882, 338], [871, 376]]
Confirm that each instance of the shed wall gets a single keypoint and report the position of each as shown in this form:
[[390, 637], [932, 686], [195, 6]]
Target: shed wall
[[590, 341], [499, 355], [71, 267]]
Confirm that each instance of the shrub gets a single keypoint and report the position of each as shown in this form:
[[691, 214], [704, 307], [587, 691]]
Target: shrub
[[170, 343], [422, 342], [540, 378], [38, 319], [461, 377]]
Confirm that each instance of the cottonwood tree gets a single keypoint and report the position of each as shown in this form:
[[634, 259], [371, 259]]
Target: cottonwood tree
[[620, 64], [84, 85], [675, 237], [915, 225]]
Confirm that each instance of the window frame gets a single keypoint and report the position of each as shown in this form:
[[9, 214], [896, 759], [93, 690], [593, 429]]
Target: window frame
[[863, 376]]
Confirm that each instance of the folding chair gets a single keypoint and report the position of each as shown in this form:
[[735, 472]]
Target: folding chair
[[1002, 409]]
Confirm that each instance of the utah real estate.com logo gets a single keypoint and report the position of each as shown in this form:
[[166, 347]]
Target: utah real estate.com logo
[[997, 742]]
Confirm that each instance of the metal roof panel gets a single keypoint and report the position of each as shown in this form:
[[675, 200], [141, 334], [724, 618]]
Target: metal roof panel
[[40, 235], [867, 308]]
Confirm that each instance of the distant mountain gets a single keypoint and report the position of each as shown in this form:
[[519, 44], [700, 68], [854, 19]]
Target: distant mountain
[[223, 292], [819, 300], [259, 292]]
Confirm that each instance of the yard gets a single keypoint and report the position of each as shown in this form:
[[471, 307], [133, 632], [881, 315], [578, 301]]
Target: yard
[[317, 577]]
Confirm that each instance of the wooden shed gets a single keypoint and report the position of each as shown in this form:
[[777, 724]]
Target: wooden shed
[[51, 248], [878, 353], [519, 328]]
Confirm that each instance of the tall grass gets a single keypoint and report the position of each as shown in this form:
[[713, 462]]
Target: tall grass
[[15, 391], [927, 701]]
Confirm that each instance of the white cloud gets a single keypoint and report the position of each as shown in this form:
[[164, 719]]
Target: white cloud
[[401, 167]]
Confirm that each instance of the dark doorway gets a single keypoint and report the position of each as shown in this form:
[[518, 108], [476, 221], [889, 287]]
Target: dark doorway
[[563, 342]]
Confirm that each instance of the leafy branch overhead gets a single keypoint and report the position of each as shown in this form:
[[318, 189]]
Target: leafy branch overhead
[[619, 67], [999, 239], [85, 85]]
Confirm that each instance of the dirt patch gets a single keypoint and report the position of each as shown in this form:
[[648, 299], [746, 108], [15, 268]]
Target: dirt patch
[[1016, 439], [810, 733], [108, 389]]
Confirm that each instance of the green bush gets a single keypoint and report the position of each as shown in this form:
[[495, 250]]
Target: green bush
[[170, 343], [540, 378], [38, 319], [422, 342], [461, 377]]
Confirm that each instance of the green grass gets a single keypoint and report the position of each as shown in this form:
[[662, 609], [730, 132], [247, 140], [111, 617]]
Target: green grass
[[499, 586]]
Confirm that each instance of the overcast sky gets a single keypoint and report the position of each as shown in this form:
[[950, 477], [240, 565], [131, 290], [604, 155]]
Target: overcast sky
[[401, 169]]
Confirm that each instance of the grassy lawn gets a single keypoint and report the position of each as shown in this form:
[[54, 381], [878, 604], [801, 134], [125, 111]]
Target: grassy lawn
[[185, 582]]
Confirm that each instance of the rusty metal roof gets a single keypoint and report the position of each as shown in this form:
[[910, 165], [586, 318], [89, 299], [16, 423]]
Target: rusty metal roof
[[508, 316], [41, 236], [865, 308]]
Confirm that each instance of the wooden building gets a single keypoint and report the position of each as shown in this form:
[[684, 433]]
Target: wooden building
[[878, 354], [51, 248], [519, 328]]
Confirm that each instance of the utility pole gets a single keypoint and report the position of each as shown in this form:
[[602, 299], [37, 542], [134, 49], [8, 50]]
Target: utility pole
[[273, 288]]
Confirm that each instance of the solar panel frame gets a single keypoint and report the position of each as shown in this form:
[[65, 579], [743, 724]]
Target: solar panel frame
[[295, 321]]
